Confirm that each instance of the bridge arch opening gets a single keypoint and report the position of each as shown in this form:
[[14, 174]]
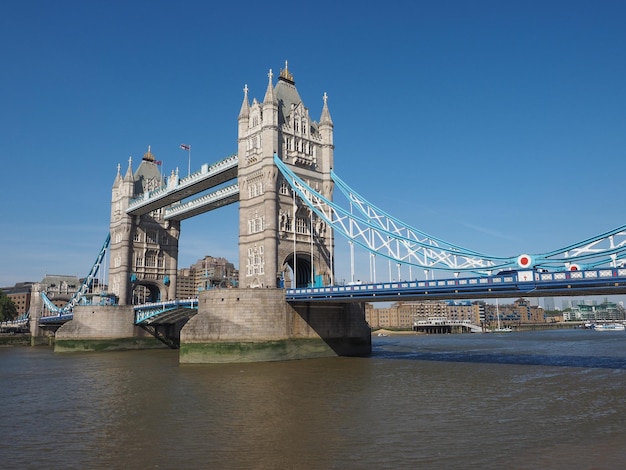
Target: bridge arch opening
[[302, 271], [146, 292]]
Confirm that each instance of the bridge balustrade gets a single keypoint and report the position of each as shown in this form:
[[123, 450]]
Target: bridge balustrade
[[148, 312], [527, 283], [220, 171]]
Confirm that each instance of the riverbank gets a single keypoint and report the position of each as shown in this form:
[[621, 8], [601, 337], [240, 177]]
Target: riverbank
[[14, 339], [519, 328], [385, 332]]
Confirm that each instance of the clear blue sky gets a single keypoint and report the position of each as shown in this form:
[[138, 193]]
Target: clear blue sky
[[497, 125]]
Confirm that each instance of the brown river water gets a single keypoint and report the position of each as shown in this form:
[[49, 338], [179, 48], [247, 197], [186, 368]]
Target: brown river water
[[549, 400]]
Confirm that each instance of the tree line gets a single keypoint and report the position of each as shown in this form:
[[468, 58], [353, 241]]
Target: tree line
[[8, 310]]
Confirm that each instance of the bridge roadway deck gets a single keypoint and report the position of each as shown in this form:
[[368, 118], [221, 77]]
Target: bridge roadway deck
[[55, 320], [167, 312], [605, 281], [208, 177]]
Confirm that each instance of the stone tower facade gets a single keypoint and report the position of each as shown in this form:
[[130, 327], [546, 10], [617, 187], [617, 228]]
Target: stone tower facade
[[281, 242], [144, 249]]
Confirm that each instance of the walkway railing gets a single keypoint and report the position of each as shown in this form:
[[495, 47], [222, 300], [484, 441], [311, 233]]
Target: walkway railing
[[148, 312], [219, 198], [527, 283], [177, 188]]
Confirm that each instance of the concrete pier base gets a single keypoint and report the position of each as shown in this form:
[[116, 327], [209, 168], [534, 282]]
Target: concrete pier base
[[103, 328], [255, 325]]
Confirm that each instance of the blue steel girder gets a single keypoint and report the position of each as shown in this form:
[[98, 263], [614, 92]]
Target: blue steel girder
[[391, 224], [382, 234], [84, 287], [14, 324], [608, 248], [58, 319], [528, 283], [165, 312], [399, 245]]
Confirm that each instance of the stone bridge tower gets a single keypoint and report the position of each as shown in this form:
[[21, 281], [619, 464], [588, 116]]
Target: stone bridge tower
[[280, 240], [144, 249]]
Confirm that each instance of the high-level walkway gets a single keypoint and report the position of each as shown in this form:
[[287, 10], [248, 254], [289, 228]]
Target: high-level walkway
[[178, 189]]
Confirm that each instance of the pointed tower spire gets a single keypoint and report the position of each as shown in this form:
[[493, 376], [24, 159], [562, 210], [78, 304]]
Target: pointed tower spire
[[244, 112], [118, 177], [326, 119], [269, 93]]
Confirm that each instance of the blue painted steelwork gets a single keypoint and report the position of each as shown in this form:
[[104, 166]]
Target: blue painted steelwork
[[401, 246], [391, 224], [165, 312], [65, 311], [528, 283], [20, 323], [382, 234], [56, 319]]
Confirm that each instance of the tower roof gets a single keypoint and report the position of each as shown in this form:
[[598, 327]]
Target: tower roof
[[286, 93], [148, 156], [148, 174]]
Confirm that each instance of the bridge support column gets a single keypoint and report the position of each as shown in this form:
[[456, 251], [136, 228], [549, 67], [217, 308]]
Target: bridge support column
[[257, 325], [103, 328]]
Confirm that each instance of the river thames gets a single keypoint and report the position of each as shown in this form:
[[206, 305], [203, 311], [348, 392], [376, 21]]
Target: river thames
[[550, 400]]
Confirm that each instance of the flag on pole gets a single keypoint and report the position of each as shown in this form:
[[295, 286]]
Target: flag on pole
[[185, 147]]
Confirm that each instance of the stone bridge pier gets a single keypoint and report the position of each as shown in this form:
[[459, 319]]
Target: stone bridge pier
[[250, 325]]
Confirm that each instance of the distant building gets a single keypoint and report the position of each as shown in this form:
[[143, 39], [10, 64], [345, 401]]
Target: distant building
[[465, 311], [20, 295], [59, 288], [518, 313], [206, 273], [596, 312], [403, 315]]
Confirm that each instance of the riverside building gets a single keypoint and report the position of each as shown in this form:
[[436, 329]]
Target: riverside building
[[402, 315]]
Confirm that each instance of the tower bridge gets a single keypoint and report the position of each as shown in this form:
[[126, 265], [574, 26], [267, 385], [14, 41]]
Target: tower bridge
[[287, 304]]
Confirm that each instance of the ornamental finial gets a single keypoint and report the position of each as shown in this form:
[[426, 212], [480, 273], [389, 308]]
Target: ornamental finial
[[285, 73]]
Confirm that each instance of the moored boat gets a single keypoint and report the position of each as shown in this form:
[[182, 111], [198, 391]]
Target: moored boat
[[609, 327], [500, 328]]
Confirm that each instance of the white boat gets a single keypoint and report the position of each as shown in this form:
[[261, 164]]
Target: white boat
[[500, 328], [609, 327], [506, 329]]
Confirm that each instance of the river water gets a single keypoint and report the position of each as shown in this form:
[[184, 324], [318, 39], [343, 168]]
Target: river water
[[550, 400]]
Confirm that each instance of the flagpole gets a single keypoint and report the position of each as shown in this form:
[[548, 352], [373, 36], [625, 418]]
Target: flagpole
[[188, 148]]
